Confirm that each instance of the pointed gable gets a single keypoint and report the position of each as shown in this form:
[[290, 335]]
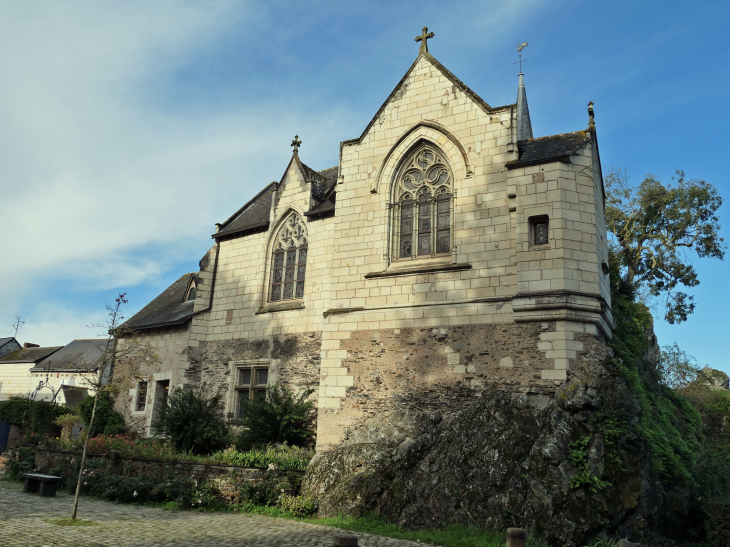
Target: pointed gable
[[402, 87]]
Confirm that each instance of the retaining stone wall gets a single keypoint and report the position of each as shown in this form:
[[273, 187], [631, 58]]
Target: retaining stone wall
[[225, 478]]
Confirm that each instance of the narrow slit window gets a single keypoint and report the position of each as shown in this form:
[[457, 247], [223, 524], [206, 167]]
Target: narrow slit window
[[539, 230], [141, 396]]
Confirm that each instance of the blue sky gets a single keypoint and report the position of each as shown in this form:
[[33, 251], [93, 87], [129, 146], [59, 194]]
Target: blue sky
[[131, 128]]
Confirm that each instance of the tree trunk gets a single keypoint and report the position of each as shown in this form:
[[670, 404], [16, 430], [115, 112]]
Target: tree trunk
[[83, 454]]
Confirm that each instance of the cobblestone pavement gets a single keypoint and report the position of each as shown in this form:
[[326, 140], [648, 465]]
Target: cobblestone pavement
[[24, 522]]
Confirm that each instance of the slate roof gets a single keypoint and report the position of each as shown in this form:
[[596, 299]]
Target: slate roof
[[331, 175], [167, 309], [327, 207], [548, 149], [254, 215], [326, 197], [30, 355], [78, 356], [4, 341]]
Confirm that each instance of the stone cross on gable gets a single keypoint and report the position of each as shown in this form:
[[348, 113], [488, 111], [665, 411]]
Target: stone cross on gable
[[423, 38], [296, 143]]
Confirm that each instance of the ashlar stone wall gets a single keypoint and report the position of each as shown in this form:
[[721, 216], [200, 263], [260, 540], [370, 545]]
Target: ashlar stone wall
[[373, 331]]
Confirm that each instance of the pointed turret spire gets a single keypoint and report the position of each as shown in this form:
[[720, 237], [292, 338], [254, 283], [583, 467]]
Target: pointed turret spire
[[524, 126]]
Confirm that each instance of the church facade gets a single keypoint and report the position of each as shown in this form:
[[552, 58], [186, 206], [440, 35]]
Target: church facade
[[449, 253]]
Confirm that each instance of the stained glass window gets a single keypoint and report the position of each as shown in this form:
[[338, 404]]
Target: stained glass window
[[289, 261], [424, 195]]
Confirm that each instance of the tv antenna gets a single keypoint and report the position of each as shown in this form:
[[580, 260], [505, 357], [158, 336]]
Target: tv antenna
[[520, 47], [16, 324]]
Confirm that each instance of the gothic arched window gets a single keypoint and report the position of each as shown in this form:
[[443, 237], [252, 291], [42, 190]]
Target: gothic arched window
[[423, 205], [289, 260]]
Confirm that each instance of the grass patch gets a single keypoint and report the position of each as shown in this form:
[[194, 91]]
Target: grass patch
[[452, 535], [72, 522]]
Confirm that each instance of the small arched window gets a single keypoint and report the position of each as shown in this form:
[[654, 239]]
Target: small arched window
[[191, 294], [423, 205], [289, 260]]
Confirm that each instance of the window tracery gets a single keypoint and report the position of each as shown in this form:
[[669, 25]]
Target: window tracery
[[423, 205], [289, 260]]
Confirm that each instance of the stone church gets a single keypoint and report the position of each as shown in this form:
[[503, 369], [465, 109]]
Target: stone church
[[449, 252]]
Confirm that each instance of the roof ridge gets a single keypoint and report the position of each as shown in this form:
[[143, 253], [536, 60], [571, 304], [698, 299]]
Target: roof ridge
[[556, 135]]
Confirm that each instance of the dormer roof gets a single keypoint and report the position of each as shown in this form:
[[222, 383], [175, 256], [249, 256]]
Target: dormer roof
[[168, 309]]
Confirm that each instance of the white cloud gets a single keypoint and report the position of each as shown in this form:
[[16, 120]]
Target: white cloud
[[55, 325], [105, 180]]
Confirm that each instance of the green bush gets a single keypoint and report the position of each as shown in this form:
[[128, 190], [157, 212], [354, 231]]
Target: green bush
[[280, 417], [268, 491], [107, 421], [16, 411], [36, 416], [299, 506], [192, 419], [24, 464], [183, 491], [282, 457]]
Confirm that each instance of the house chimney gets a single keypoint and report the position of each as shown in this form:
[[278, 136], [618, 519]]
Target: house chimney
[[524, 127], [29, 345]]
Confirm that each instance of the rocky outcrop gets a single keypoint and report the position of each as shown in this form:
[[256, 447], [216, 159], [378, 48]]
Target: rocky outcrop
[[713, 379], [564, 464]]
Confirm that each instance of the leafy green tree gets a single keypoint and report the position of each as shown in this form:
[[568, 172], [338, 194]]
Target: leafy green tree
[[280, 417], [192, 419], [107, 420], [678, 369], [657, 227]]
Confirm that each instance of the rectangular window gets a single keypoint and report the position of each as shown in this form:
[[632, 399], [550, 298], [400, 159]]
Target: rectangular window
[[141, 396], [539, 233], [250, 382], [163, 390]]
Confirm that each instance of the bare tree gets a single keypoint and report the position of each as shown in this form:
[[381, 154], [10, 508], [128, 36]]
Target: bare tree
[[101, 378]]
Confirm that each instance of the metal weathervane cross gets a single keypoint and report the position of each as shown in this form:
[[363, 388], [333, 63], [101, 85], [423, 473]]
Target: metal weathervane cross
[[423, 38], [296, 143], [520, 47]]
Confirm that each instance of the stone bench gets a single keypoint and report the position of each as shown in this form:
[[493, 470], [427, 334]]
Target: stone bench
[[44, 485]]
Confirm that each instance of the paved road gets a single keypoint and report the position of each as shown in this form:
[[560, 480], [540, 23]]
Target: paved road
[[24, 522]]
